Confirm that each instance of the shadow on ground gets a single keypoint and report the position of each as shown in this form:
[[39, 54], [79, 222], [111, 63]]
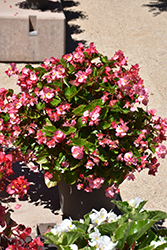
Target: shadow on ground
[[71, 29], [38, 193], [157, 6], [52, 6]]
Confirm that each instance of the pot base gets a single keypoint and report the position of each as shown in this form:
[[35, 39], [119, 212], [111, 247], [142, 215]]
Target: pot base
[[76, 203]]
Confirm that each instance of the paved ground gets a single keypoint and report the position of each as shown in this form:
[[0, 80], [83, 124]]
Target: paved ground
[[139, 29]]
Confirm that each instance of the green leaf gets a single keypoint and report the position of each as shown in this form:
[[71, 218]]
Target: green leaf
[[40, 105], [140, 206], [152, 149], [162, 246], [152, 215], [90, 146], [70, 92], [79, 110], [33, 115], [104, 59], [42, 157], [50, 128], [147, 240], [9, 92], [104, 125], [108, 228], [138, 228], [70, 177], [96, 102], [121, 234], [78, 141], [51, 238], [81, 226], [39, 85], [65, 81], [57, 176], [148, 248], [70, 237], [55, 102], [103, 154], [123, 206]]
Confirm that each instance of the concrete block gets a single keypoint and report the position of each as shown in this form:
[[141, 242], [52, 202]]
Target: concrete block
[[30, 35]]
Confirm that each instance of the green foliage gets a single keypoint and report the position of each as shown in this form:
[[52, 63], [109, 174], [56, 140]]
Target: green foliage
[[135, 229]]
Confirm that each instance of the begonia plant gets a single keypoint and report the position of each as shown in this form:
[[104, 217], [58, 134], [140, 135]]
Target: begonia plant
[[77, 118], [13, 236], [135, 229]]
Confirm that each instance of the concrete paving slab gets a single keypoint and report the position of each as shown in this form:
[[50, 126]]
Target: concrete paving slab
[[30, 35]]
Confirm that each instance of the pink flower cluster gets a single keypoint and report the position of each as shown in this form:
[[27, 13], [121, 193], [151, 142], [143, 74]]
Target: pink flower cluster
[[92, 116], [58, 137], [19, 244], [18, 186], [91, 183]]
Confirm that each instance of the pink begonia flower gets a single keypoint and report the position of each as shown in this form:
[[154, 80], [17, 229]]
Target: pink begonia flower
[[59, 136], [161, 151], [61, 110], [77, 152], [88, 190], [89, 164], [96, 183], [48, 175], [110, 191], [121, 130], [130, 175], [57, 72], [17, 206], [96, 160], [47, 94], [123, 83], [80, 186], [153, 166], [120, 58], [41, 138], [94, 116], [81, 78], [130, 159], [68, 57], [112, 103], [120, 157], [51, 143], [11, 189], [65, 164], [12, 71], [2, 137]]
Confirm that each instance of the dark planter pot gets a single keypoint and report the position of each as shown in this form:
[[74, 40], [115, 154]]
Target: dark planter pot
[[76, 203], [37, 4]]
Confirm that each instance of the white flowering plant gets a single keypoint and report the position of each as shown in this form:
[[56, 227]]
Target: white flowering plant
[[77, 118], [101, 230]]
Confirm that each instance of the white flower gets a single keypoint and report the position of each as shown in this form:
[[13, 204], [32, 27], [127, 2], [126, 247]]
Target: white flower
[[94, 236], [98, 217], [105, 243], [135, 202], [101, 242], [73, 247], [158, 243], [81, 221], [112, 217], [65, 226]]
